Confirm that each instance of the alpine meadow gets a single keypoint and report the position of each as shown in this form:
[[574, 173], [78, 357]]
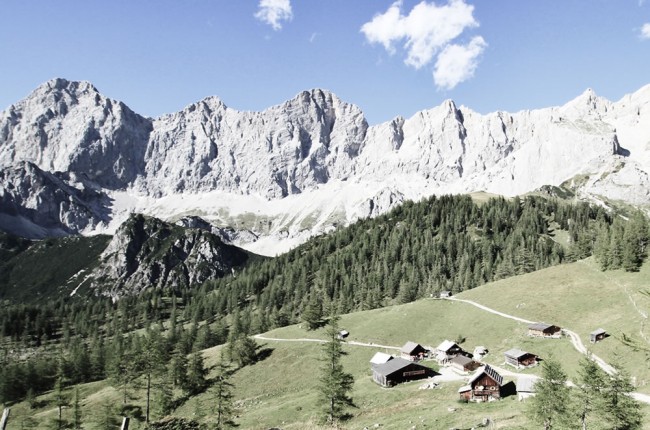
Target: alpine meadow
[[172, 262]]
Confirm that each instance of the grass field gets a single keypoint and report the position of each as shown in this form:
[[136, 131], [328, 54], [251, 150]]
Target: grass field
[[581, 297], [281, 390]]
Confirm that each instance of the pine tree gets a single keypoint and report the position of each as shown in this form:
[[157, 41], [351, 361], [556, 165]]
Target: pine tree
[[335, 383], [196, 373], [313, 313], [591, 383], [77, 416], [621, 411], [222, 395], [244, 351], [551, 403], [61, 398], [151, 358]]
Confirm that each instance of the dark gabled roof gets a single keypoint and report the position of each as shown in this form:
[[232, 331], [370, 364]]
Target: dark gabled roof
[[394, 365], [409, 347], [540, 326], [462, 360], [597, 332], [516, 353], [489, 372]]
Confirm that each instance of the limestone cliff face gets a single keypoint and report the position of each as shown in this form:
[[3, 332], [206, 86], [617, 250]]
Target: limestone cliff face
[[146, 253], [313, 162], [37, 204], [69, 127]]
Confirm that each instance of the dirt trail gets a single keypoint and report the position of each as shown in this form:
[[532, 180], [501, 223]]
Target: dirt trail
[[351, 342], [573, 336]]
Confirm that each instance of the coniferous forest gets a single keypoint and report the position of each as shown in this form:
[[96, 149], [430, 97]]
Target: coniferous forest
[[415, 251]]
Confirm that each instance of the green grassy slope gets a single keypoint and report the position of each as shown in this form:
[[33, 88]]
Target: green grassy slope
[[39, 272], [581, 297], [280, 390]]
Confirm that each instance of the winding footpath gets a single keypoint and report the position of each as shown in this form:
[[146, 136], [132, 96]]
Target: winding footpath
[[573, 336], [351, 342]]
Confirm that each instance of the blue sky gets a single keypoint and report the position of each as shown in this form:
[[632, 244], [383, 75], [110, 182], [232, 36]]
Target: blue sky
[[390, 58]]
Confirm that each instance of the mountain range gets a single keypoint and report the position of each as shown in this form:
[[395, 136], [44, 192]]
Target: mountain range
[[73, 161]]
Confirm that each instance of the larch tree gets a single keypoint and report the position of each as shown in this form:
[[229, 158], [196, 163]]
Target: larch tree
[[222, 395], [622, 412], [591, 383], [550, 406], [335, 383]]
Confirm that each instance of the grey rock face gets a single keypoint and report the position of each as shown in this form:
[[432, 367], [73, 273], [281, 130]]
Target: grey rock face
[[146, 252], [38, 204], [316, 146], [69, 127]]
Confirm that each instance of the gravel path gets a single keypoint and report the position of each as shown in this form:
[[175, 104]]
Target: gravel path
[[573, 336]]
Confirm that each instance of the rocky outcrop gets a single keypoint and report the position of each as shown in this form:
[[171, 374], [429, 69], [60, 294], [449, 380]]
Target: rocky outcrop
[[146, 252], [37, 204]]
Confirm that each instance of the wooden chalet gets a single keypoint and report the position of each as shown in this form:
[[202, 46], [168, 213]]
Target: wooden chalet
[[380, 358], [399, 370], [526, 387], [413, 351], [463, 363], [518, 358], [597, 335], [544, 330], [448, 350], [484, 386], [445, 294]]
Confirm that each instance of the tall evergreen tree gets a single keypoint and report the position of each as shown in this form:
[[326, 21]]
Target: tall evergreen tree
[[550, 406], [222, 395], [77, 413], [335, 383], [591, 383], [313, 313], [196, 373], [622, 412]]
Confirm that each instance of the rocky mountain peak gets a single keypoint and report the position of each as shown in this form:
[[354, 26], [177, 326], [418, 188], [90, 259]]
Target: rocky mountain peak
[[147, 252], [314, 145]]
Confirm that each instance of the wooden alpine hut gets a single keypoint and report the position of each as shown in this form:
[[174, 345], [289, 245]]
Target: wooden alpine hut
[[484, 386], [518, 358], [399, 370]]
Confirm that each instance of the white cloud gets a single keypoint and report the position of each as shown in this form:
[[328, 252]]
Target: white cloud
[[427, 31], [273, 12], [457, 63], [645, 31]]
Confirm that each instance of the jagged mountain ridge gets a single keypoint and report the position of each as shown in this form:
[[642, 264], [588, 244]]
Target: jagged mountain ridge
[[313, 162]]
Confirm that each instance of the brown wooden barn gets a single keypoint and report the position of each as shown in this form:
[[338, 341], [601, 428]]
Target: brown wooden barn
[[544, 330], [484, 386], [597, 335], [399, 370], [518, 358], [464, 364], [413, 351]]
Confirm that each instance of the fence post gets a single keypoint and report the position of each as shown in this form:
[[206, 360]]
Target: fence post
[[125, 423], [5, 418]]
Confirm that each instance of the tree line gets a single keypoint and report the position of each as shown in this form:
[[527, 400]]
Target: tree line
[[414, 251]]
